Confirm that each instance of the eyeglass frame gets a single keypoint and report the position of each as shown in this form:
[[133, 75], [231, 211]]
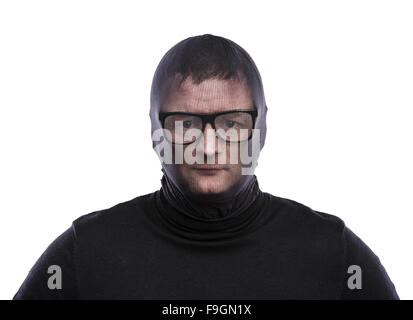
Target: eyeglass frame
[[209, 118]]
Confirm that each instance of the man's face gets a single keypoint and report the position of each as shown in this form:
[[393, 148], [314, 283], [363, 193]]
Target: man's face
[[210, 96]]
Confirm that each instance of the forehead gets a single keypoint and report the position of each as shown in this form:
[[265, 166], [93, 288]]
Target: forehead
[[211, 95]]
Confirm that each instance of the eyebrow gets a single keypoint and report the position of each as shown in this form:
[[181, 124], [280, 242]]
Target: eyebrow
[[183, 107], [209, 113]]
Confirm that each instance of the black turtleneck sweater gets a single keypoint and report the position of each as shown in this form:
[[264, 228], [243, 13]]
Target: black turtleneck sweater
[[159, 246]]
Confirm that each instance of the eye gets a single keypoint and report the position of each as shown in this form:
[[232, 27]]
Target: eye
[[187, 124], [229, 123]]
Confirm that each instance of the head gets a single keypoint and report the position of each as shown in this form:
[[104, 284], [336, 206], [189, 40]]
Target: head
[[208, 75]]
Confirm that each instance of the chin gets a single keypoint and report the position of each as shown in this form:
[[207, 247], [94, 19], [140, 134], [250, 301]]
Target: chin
[[209, 185]]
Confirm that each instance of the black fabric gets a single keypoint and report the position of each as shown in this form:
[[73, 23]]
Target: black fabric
[[210, 206], [193, 220], [147, 248]]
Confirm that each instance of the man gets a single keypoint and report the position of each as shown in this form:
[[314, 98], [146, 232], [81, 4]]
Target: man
[[209, 232]]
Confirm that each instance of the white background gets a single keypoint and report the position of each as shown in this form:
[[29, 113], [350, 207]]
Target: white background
[[75, 79]]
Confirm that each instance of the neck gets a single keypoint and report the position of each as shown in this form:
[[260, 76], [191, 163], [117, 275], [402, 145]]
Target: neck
[[212, 206]]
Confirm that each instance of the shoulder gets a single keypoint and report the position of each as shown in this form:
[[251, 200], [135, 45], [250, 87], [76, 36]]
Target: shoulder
[[115, 217], [304, 217], [306, 231], [57, 257]]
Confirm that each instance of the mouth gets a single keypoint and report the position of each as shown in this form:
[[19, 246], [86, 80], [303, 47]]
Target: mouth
[[208, 170]]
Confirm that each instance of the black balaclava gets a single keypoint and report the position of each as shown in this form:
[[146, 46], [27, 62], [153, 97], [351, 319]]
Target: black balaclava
[[205, 57]]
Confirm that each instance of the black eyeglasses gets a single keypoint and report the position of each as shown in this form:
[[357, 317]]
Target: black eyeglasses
[[187, 127]]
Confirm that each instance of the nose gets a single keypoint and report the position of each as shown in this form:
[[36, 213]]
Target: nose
[[209, 140]]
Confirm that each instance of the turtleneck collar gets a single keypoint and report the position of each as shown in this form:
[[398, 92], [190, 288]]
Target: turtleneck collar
[[197, 219]]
